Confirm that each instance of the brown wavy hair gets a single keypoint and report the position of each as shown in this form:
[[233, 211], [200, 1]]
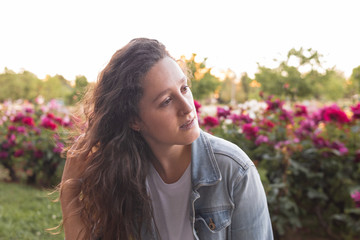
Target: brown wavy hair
[[114, 203]]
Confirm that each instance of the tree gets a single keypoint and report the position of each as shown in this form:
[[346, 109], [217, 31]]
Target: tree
[[231, 90], [55, 87], [79, 89], [24, 85], [301, 76], [354, 82], [203, 83], [245, 85]]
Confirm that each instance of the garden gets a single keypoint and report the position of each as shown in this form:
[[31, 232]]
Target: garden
[[301, 129], [308, 158]]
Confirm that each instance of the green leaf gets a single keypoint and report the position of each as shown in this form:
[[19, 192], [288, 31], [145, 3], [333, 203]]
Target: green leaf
[[312, 194], [353, 211]]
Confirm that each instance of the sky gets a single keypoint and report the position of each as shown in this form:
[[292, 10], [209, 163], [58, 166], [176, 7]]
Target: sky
[[75, 37]]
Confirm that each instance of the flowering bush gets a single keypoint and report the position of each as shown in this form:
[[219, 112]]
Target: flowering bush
[[31, 139], [308, 159]]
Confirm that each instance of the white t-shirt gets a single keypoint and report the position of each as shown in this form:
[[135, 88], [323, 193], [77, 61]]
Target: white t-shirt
[[171, 204]]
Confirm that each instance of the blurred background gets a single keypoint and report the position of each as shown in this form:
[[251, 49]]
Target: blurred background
[[281, 79]]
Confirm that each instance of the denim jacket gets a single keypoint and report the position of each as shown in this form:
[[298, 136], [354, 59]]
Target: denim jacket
[[227, 200]]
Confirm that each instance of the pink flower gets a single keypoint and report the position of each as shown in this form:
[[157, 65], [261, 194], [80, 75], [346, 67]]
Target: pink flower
[[38, 153], [18, 117], [265, 124], [250, 131], [47, 123], [6, 145], [286, 116], [21, 129], [334, 113], [29, 110], [12, 138], [320, 142], [4, 154], [237, 119], [307, 127], [339, 147], [210, 121], [197, 106], [59, 147], [19, 153], [222, 112], [50, 115], [281, 144], [274, 105], [261, 139], [58, 120], [28, 121], [356, 111], [356, 197], [301, 111], [12, 128]]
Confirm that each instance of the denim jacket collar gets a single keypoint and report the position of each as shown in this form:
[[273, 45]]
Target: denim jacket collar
[[204, 168]]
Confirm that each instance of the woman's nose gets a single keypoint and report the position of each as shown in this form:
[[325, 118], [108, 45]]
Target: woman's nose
[[186, 105]]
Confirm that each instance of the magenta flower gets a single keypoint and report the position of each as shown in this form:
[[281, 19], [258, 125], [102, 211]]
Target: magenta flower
[[18, 117], [357, 156], [58, 120], [261, 139], [286, 116], [197, 106], [320, 142], [19, 153], [12, 139], [356, 197], [6, 145], [12, 128], [266, 124], [38, 153], [48, 123], [50, 115], [339, 147], [307, 127], [356, 111], [237, 119], [282, 144], [274, 105], [334, 113], [28, 121], [301, 111], [250, 131], [316, 117], [59, 147], [210, 121], [3, 154], [29, 110], [21, 129], [222, 112]]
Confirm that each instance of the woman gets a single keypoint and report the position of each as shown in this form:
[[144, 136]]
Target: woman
[[144, 170]]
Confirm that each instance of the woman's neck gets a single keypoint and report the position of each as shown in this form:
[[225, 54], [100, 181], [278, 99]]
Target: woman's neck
[[171, 162]]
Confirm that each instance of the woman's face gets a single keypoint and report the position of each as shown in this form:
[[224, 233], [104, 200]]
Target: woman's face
[[167, 112]]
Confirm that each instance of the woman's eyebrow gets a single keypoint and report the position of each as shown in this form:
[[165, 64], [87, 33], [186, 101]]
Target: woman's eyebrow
[[180, 81], [161, 94]]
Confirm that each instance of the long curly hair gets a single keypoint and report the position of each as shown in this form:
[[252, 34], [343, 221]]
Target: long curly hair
[[113, 197]]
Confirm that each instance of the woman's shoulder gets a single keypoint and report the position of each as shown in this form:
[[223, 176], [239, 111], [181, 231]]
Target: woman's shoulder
[[228, 152]]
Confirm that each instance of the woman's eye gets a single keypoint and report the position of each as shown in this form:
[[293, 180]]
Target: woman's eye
[[166, 102], [185, 89]]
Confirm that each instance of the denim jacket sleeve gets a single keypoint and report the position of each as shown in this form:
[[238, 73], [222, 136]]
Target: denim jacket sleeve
[[250, 219]]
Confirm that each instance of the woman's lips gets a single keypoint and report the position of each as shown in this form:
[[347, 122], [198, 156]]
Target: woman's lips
[[188, 124]]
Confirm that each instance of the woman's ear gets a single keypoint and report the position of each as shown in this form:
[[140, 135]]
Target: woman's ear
[[135, 125]]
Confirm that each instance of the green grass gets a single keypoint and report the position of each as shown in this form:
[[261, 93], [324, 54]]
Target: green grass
[[26, 212]]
